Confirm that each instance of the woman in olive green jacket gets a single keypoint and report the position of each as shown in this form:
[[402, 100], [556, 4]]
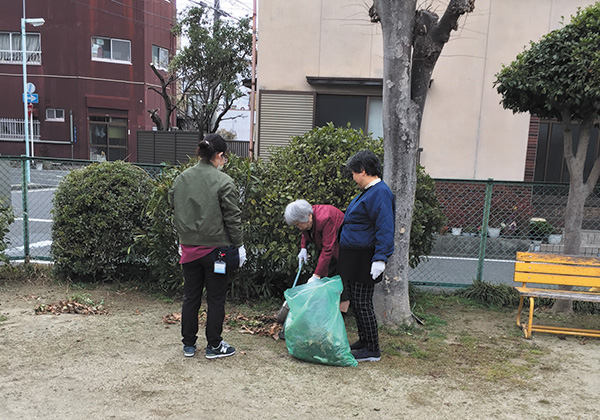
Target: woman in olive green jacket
[[207, 217]]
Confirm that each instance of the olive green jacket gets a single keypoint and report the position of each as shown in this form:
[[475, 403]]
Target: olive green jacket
[[206, 209]]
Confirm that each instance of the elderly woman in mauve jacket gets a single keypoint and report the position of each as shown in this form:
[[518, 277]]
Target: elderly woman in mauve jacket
[[320, 225], [366, 243]]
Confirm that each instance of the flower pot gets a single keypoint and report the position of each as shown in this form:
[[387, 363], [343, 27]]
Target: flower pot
[[493, 232], [554, 238], [456, 231]]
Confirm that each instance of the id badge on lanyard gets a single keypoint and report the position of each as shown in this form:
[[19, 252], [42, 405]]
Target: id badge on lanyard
[[220, 265]]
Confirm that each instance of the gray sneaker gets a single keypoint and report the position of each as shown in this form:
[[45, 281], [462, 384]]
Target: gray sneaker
[[223, 350], [189, 351]]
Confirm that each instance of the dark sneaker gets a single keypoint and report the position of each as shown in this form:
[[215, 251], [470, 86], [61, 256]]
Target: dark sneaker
[[358, 345], [364, 355], [223, 350], [189, 351]]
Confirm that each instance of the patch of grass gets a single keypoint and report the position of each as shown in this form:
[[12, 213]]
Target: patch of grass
[[3, 318], [463, 339], [26, 272], [501, 295]]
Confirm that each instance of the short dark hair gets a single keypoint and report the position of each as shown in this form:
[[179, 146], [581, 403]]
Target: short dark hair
[[212, 143], [367, 161]]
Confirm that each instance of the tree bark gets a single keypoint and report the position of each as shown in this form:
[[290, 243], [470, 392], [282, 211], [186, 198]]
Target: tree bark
[[579, 191], [400, 133], [412, 43]]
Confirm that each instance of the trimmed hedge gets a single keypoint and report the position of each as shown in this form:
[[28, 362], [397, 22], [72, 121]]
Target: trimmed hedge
[[96, 211]]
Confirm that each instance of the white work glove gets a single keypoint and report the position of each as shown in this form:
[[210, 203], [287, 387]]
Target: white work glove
[[242, 254], [302, 256], [312, 278], [377, 268]]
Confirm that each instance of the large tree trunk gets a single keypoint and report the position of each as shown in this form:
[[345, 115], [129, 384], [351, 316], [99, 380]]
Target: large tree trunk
[[579, 191], [412, 43], [400, 133]]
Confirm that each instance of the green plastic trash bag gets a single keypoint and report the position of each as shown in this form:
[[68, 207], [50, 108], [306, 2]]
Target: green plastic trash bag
[[314, 328]]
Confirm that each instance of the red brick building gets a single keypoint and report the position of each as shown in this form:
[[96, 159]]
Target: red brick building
[[89, 63]]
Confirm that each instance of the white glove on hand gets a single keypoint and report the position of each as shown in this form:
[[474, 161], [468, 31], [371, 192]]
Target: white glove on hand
[[302, 256], [312, 278], [242, 255], [377, 268]]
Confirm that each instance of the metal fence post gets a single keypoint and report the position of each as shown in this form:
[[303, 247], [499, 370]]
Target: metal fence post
[[484, 227], [24, 187]]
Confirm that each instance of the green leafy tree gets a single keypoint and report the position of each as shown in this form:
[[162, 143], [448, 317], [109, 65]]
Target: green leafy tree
[[210, 67], [558, 77], [413, 40]]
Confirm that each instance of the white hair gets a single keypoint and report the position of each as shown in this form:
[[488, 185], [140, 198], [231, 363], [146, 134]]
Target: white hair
[[297, 211]]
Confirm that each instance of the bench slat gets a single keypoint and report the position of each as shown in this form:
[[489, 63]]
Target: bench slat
[[558, 259], [565, 270], [559, 294], [556, 279]]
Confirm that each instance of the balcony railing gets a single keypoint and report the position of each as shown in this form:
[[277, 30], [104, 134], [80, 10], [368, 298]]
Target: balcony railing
[[13, 129]]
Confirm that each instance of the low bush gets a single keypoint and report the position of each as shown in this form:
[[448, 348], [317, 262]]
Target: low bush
[[96, 211], [6, 218]]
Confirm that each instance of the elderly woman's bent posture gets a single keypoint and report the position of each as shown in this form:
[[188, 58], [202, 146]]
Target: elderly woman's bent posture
[[320, 225]]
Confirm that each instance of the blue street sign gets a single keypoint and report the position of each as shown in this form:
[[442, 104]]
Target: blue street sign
[[31, 98]]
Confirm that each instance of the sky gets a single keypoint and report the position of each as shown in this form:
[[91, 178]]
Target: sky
[[236, 8]]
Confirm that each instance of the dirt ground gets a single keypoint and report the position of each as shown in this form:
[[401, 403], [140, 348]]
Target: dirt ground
[[128, 364]]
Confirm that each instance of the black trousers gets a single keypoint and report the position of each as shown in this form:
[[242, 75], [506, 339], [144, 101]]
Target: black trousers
[[199, 274], [355, 269]]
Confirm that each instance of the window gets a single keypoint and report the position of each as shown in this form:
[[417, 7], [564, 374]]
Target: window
[[108, 49], [160, 57], [10, 48], [549, 163], [54, 114], [361, 112], [108, 138]]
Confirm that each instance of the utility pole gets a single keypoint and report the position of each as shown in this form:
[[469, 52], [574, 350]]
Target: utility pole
[[217, 11]]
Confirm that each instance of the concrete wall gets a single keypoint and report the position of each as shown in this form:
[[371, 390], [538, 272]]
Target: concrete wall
[[466, 133]]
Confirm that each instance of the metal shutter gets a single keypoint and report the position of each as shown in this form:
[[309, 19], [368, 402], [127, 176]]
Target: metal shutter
[[282, 116]]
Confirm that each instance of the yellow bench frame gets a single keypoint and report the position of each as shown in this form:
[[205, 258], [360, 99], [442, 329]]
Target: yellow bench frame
[[560, 270]]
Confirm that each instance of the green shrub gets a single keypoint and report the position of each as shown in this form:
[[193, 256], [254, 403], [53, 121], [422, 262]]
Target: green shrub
[[157, 241], [312, 167], [6, 218], [96, 211]]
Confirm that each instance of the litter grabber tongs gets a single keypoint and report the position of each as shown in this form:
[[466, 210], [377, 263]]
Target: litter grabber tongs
[[283, 312]]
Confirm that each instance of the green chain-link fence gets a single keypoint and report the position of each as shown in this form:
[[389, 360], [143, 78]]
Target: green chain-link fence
[[468, 248]]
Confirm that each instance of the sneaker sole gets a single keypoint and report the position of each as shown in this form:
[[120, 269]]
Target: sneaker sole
[[216, 356], [188, 354], [369, 359]]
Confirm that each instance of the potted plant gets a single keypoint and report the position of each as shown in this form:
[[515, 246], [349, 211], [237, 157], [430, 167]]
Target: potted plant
[[539, 229], [469, 231], [555, 237], [495, 225]]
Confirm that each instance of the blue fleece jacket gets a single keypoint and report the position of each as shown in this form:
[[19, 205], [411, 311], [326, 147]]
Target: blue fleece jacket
[[369, 222]]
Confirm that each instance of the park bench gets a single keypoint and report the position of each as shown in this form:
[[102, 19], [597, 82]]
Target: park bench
[[555, 270]]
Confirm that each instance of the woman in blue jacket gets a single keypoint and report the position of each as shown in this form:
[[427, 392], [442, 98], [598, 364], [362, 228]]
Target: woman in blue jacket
[[366, 243]]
